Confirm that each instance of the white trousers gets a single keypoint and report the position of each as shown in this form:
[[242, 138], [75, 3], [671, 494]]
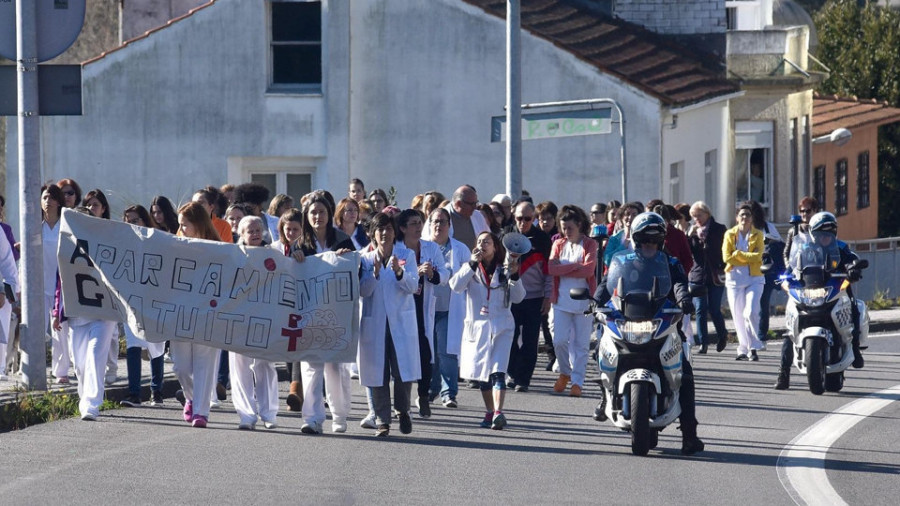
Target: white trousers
[[572, 342], [195, 367], [90, 346], [5, 335], [254, 388], [688, 329], [743, 299], [112, 360], [336, 377], [59, 343]]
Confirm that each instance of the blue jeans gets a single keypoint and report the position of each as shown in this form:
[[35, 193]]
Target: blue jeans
[[710, 303], [133, 361], [445, 373], [764, 303]]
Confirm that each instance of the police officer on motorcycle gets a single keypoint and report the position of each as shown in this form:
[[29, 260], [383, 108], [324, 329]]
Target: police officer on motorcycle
[[648, 233], [824, 226]]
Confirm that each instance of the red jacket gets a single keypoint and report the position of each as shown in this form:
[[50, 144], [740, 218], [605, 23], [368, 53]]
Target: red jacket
[[678, 246], [586, 269]]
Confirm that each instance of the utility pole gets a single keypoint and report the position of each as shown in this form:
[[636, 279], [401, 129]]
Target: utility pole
[[513, 99], [32, 345]]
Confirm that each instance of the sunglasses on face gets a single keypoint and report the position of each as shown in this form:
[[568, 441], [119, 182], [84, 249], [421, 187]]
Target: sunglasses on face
[[69, 193], [524, 218], [805, 211]]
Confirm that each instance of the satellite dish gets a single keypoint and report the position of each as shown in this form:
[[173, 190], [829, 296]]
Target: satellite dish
[[516, 243]]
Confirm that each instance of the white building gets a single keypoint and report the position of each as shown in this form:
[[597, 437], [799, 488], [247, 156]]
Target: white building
[[304, 94]]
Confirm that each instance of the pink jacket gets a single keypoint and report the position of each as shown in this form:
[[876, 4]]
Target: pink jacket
[[586, 269]]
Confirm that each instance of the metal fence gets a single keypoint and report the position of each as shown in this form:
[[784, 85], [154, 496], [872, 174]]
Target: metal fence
[[884, 267]]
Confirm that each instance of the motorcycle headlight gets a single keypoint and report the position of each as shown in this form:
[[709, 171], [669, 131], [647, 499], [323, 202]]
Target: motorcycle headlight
[[638, 332], [813, 297]]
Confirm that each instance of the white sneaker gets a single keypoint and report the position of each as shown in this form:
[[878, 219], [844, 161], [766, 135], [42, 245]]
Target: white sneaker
[[368, 422], [110, 379], [215, 403], [339, 425], [311, 428], [246, 426], [556, 366], [271, 425], [89, 417], [167, 358]]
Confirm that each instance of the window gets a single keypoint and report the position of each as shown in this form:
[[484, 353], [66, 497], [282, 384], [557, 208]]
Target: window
[[819, 186], [296, 46], [862, 180], [754, 145], [294, 176], [676, 172], [840, 188], [710, 179]]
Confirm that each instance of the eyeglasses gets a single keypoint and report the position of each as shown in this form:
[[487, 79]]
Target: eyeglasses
[[69, 193], [524, 218]]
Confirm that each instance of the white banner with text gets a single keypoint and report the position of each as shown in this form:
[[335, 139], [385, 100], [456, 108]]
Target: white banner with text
[[253, 301]]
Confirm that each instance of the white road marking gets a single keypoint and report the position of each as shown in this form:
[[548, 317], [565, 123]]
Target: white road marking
[[801, 464]]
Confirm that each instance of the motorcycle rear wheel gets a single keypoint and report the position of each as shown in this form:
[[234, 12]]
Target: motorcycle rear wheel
[[640, 419], [815, 365]]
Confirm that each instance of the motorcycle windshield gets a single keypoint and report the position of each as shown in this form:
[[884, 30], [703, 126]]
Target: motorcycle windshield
[[638, 285], [814, 250]]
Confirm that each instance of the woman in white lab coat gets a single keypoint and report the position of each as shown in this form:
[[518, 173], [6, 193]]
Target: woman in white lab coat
[[489, 325], [432, 273], [388, 335], [254, 381]]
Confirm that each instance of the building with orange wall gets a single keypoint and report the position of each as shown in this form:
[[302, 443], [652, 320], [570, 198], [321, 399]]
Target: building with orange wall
[[845, 178]]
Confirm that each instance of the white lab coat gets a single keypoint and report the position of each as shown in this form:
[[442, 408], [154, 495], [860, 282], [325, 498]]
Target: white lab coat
[[10, 275], [387, 300], [459, 256], [486, 339], [430, 252]]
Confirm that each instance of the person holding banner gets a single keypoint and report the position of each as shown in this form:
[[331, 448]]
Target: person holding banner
[[90, 347], [138, 216], [388, 337], [95, 201], [290, 226], [317, 236], [195, 364], [52, 201], [490, 288], [254, 381]]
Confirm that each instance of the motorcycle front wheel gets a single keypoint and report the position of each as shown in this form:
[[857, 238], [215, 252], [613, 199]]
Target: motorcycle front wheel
[[815, 365], [640, 418]]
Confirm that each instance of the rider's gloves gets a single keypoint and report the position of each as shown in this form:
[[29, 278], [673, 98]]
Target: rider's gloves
[[686, 306]]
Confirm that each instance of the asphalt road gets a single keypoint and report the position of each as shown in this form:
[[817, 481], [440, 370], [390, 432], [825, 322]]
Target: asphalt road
[[552, 451]]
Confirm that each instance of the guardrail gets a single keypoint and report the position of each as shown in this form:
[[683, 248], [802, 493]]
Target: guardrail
[[883, 274]]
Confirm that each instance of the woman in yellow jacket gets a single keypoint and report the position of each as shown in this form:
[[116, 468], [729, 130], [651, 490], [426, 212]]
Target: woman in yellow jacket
[[742, 252]]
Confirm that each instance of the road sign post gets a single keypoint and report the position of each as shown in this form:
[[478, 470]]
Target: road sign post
[[42, 31]]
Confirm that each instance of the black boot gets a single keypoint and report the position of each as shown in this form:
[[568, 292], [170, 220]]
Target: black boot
[[784, 380], [600, 409], [858, 360], [690, 443]]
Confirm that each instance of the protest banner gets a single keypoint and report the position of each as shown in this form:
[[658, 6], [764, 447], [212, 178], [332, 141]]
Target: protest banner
[[250, 300]]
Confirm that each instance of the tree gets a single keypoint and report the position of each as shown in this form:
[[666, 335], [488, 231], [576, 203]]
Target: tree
[[861, 45]]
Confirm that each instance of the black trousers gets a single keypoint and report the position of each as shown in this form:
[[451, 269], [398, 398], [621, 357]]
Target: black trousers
[[528, 325]]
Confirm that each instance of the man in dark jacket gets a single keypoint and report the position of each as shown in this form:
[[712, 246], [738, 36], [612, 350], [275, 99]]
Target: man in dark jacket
[[538, 287]]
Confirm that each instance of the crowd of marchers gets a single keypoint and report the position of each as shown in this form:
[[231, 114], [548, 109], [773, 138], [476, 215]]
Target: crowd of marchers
[[441, 299]]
